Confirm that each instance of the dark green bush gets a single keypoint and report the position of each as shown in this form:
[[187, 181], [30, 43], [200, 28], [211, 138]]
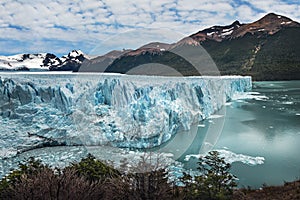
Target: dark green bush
[[94, 170], [215, 181]]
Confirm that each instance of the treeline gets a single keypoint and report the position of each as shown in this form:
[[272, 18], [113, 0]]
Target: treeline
[[264, 57], [94, 179]]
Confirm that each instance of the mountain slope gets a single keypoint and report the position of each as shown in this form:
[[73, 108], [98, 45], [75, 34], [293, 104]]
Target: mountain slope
[[267, 49]]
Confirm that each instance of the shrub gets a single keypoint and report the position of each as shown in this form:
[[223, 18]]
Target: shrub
[[45, 184], [139, 186], [30, 167], [94, 170], [215, 181]]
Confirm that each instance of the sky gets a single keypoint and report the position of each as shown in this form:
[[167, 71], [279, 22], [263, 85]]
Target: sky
[[98, 26]]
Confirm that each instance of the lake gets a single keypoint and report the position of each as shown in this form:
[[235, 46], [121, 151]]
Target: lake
[[258, 132], [265, 124]]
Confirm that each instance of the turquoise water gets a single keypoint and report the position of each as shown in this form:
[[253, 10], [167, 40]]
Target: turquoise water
[[264, 124], [267, 127]]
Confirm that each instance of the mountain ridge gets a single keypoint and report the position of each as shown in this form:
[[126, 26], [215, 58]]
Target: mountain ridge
[[266, 49]]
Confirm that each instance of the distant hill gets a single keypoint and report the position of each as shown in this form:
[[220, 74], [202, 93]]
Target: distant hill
[[268, 49]]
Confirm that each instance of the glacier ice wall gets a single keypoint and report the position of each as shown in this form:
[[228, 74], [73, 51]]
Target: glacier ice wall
[[91, 109]]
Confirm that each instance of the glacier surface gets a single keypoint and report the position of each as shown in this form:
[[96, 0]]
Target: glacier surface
[[42, 109]]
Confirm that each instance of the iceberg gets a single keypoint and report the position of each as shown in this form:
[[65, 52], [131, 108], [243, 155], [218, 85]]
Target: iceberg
[[42, 109]]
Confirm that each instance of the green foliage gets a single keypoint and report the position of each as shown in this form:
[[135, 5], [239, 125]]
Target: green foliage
[[277, 57], [215, 181], [126, 63], [46, 184], [94, 170], [31, 167], [93, 179]]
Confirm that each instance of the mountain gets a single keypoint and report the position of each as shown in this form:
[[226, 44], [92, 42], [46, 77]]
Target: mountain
[[42, 62], [269, 24], [100, 63], [267, 49]]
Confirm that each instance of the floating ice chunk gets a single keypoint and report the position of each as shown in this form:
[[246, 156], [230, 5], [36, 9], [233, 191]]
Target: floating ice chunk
[[188, 157], [288, 102], [215, 116], [228, 103], [231, 157], [249, 95]]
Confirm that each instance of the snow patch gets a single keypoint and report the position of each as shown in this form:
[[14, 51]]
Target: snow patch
[[226, 33], [210, 34], [289, 22]]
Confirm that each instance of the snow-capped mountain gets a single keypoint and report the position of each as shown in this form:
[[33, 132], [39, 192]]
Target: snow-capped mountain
[[42, 62], [269, 24], [217, 33], [267, 49]]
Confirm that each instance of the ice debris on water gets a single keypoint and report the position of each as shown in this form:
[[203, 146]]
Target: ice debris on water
[[231, 157]]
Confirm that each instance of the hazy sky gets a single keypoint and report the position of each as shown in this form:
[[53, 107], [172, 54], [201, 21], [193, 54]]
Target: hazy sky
[[59, 26]]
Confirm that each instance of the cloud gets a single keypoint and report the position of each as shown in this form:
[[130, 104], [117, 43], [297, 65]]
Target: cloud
[[60, 25]]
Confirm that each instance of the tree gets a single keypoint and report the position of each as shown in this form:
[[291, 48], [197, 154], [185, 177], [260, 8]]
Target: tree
[[30, 167], [94, 170], [214, 182], [144, 180]]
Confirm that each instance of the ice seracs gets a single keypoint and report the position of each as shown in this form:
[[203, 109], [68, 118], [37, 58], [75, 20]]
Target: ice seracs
[[120, 110]]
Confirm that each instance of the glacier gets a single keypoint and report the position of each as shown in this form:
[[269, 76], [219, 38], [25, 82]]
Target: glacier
[[42, 109]]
